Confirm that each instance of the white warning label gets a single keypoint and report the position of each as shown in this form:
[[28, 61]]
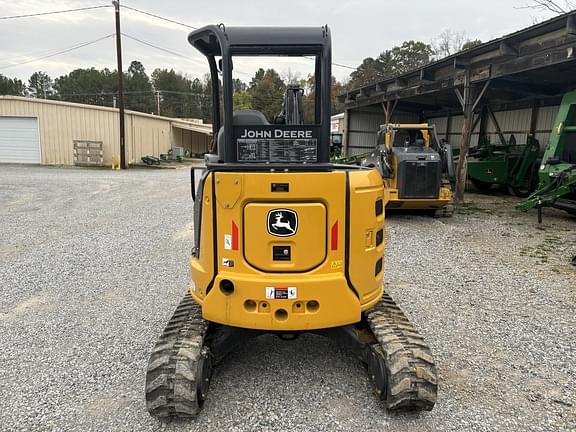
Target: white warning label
[[228, 241], [281, 293]]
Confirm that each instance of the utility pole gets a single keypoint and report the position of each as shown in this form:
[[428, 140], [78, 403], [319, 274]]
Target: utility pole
[[158, 102], [116, 4]]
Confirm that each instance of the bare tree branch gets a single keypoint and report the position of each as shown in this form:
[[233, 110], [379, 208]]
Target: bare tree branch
[[555, 6], [450, 42], [447, 43]]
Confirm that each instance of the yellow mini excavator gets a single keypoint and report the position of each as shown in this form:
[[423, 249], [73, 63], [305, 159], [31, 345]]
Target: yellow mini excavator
[[284, 241]]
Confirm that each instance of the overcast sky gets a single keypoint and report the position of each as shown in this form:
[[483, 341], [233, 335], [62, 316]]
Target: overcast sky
[[360, 28]]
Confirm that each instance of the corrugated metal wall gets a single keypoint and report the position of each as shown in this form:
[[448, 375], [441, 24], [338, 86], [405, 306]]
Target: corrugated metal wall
[[545, 124], [60, 124], [453, 135], [364, 126], [195, 142], [516, 122], [149, 136]]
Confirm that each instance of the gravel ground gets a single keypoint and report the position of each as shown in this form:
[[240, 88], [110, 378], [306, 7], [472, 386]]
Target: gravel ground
[[93, 263]]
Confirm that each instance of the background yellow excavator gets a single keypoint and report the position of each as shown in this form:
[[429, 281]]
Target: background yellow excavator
[[285, 242], [416, 168]]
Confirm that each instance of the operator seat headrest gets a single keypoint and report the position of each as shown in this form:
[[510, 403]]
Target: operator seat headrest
[[246, 117], [249, 118]]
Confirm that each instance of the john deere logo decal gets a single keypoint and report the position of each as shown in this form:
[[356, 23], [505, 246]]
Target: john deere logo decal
[[282, 222]]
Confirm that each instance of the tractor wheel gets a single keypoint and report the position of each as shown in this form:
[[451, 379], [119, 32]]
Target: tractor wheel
[[480, 185], [525, 191], [519, 191]]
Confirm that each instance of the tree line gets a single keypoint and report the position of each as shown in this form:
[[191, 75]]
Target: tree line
[[169, 93], [173, 93], [165, 91]]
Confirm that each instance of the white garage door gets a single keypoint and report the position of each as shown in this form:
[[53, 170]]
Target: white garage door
[[19, 141]]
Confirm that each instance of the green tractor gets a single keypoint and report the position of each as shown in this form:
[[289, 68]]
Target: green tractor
[[557, 174], [513, 166]]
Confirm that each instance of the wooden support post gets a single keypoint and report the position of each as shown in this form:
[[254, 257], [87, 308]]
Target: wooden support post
[[448, 128], [346, 132], [534, 118], [497, 126], [469, 99], [483, 126], [385, 109], [477, 118], [389, 107]]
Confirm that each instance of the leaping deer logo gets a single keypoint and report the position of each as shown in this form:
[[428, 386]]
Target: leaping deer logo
[[285, 222], [279, 224]]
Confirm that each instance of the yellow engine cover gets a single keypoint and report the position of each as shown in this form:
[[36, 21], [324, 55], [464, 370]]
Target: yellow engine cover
[[259, 242], [289, 250]]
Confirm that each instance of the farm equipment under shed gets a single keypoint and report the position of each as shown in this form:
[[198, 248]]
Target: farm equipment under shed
[[514, 166], [557, 174]]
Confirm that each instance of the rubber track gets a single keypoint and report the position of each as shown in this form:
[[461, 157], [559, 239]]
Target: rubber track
[[412, 377], [446, 211], [171, 387]]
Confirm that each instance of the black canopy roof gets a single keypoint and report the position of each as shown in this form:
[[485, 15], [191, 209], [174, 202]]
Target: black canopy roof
[[211, 39]]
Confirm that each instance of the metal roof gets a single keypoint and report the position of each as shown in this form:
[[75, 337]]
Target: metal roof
[[538, 61], [194, 127]]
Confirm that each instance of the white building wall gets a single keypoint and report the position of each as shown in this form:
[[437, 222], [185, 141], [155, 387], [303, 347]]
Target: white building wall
[[60, 123]]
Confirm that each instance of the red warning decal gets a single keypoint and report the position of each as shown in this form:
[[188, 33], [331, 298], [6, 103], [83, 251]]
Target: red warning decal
[[234, 236], [334, 237]]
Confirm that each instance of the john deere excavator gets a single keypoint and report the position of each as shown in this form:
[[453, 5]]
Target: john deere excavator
[[284, 242], [416, 168]]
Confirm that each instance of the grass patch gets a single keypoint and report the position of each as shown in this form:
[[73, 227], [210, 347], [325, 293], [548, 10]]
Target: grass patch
[[541, 251], [472, 208]]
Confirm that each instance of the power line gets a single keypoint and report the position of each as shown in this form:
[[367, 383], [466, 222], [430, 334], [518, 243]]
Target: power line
[[135, 92], [333, 63], [75, 47], [344, 66], [158, 47], [152, 92], [54, 12], [159, 17], [145, 43], [196, 28], [169, 51], [37, 53], [33, 54]]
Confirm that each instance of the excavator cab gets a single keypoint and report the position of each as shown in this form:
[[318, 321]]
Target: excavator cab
[[284, 241]]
